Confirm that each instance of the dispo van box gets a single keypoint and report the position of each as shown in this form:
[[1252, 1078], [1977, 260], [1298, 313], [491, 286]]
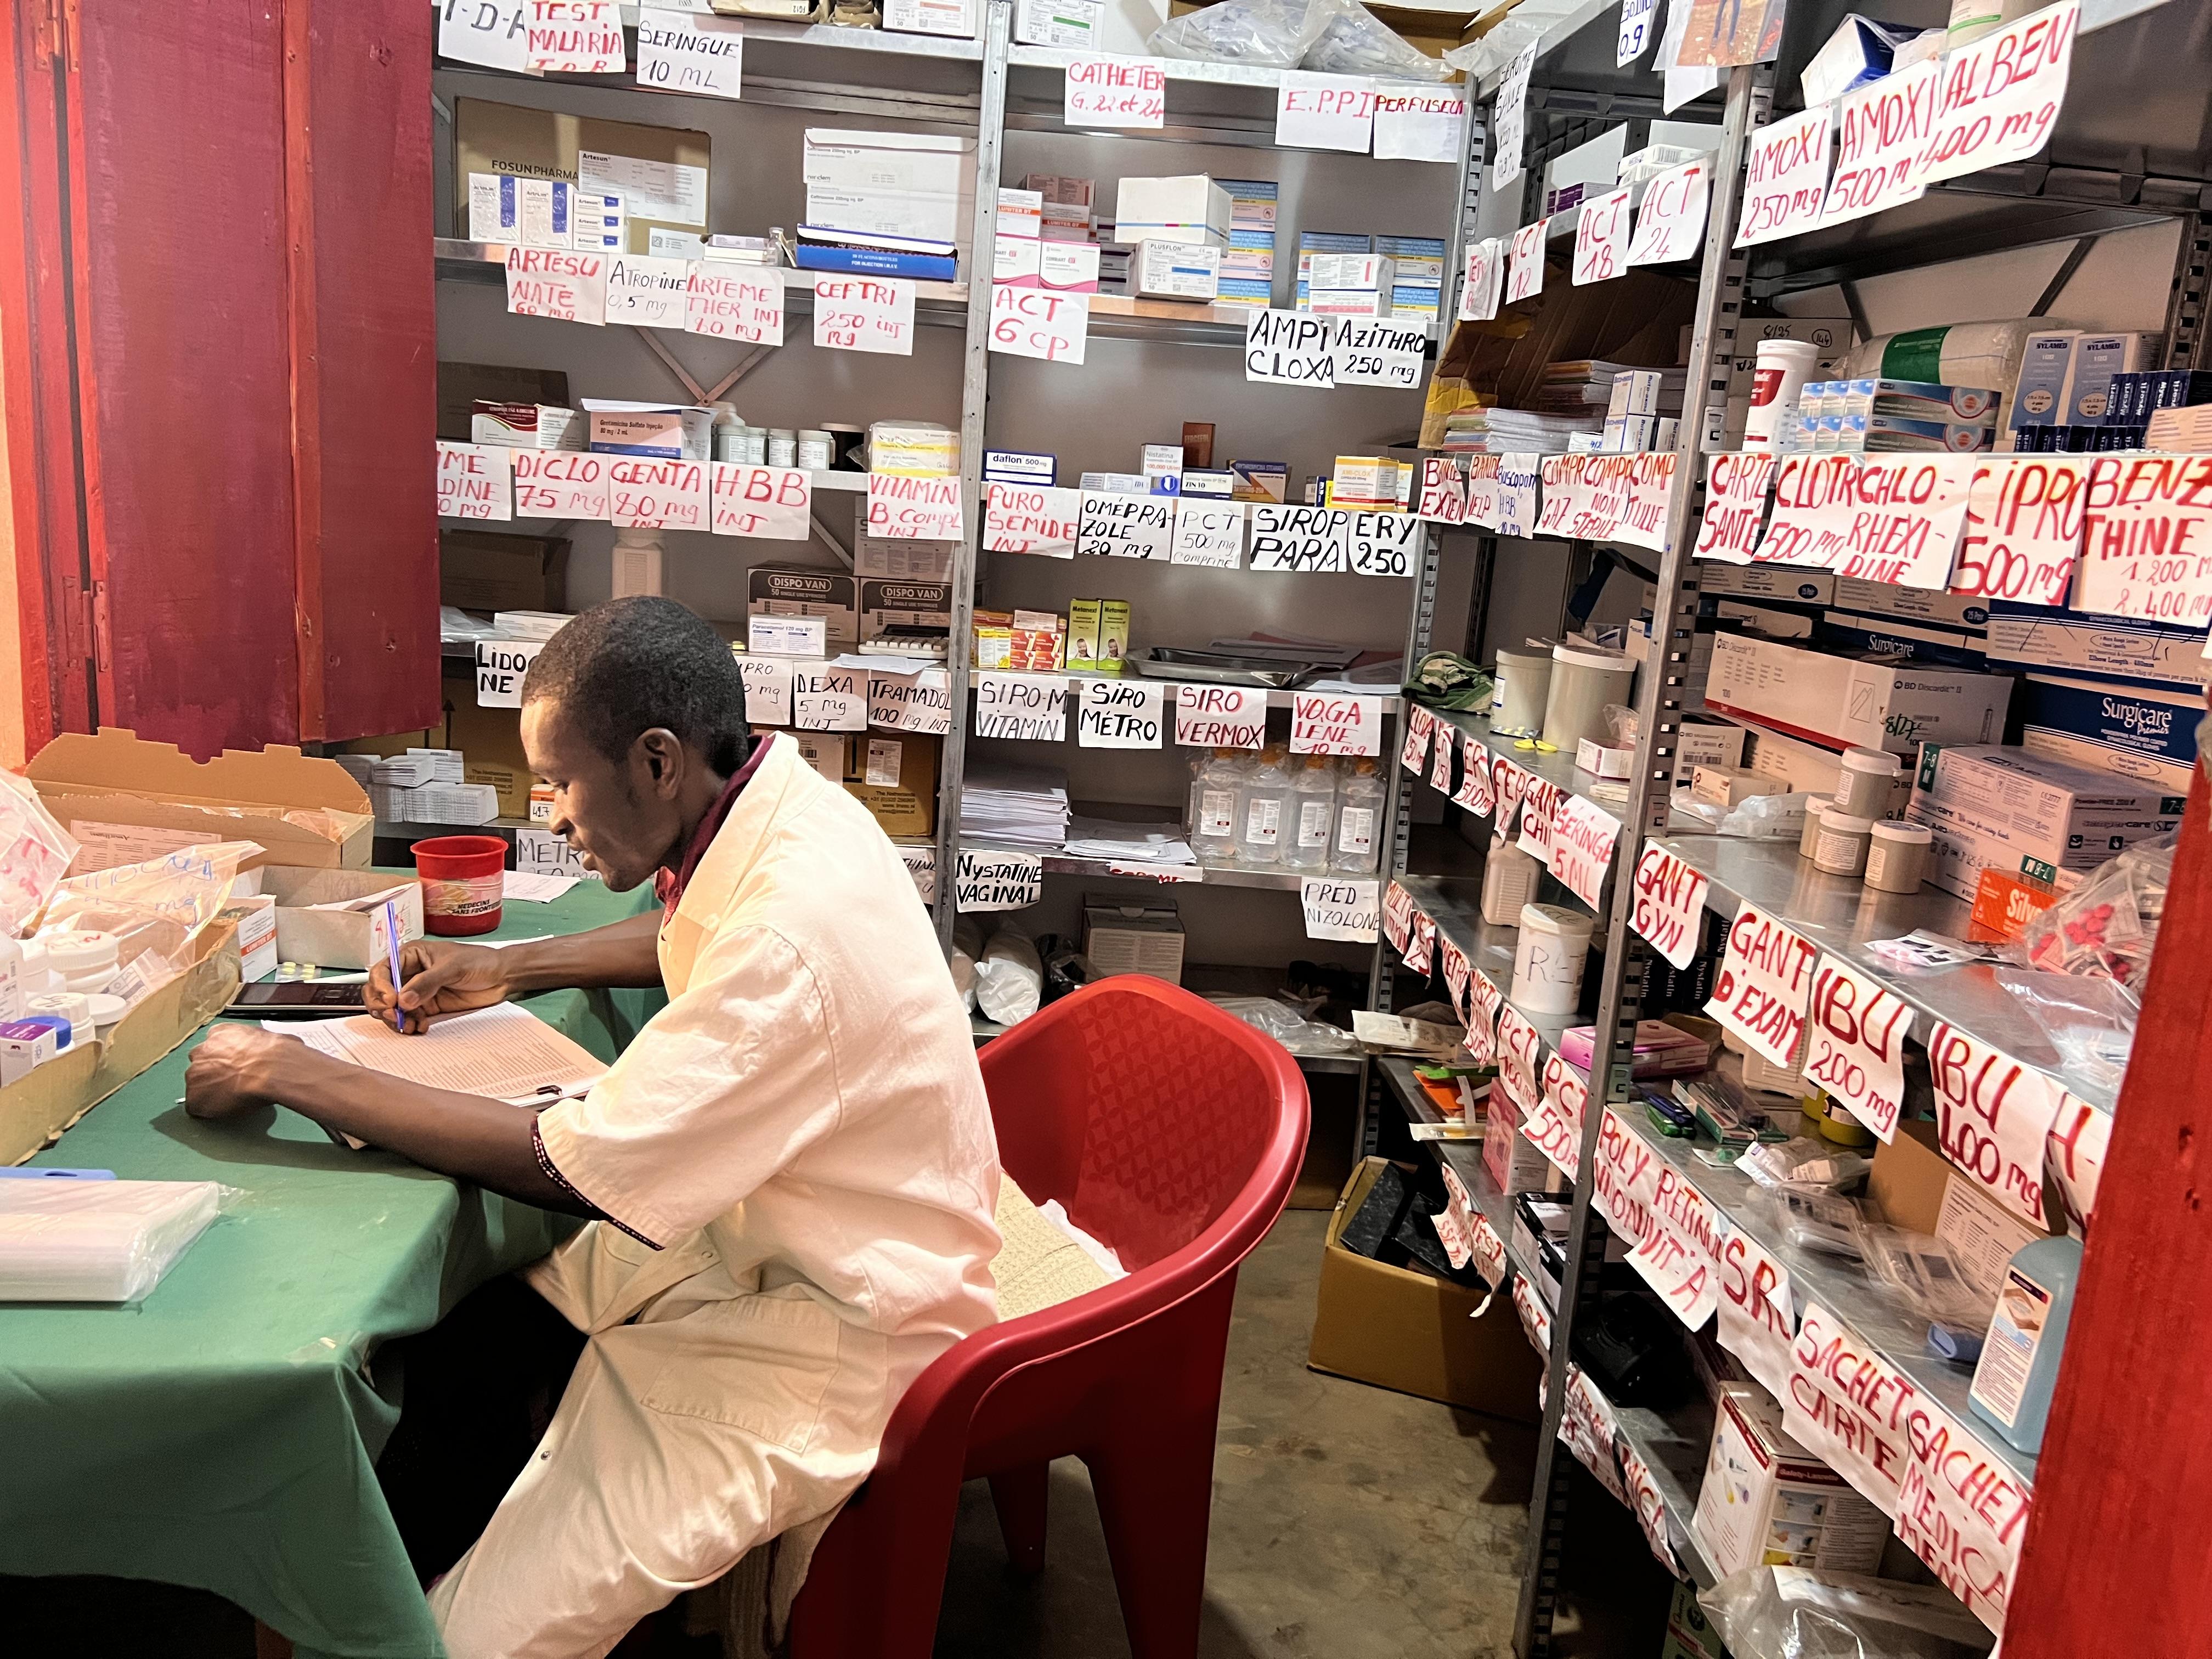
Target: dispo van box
[[480, 571], [1840, 702], [792, 590], [1401, 1329], [660, 172], [127, 799], [34, 1111], [339, 939]]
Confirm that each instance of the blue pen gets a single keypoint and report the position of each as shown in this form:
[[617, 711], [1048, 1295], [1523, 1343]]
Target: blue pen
[[17, 1174], [392, 945]]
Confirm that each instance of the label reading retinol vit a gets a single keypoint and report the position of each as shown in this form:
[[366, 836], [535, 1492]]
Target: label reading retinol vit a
[[2001, 1378]]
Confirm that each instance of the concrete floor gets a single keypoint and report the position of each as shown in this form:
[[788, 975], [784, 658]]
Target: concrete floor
[[1348, 1522]]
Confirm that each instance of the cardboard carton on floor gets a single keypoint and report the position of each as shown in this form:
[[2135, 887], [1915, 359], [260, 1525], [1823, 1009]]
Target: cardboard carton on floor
[[1408, 1331], [126, 799]]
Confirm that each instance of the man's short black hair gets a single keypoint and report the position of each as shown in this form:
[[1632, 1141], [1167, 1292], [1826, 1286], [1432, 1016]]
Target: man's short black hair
[[621, 668]]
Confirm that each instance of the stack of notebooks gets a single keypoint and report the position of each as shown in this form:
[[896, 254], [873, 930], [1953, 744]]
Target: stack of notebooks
[[1004, 804], [1525, 432]]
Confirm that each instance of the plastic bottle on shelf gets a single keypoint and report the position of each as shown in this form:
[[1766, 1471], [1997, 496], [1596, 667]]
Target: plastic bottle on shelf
[[1313, 814], [638, 562], [1355, 848], [1509, 879], [1263, 810], [1213, 808], [2019, 1364]]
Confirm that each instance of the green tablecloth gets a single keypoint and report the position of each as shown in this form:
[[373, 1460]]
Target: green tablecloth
[[222, 1433]]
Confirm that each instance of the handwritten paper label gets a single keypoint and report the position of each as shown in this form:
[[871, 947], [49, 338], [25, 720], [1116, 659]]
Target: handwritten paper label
[[1636, 32], [1766, 980], [542, 853], [1299, 538], [1221, 716], [915, 509], [1786, 179], [493, 33], [1845, 1403], [2146, 540], [1518, 1047], [500, 665], [1458, 972], [1583, 837], [1535, 1319], [1208, 532], [1483, 281], [1127, 526], [1420, 947], [1384, 544], [1892, 519], [646, 293], [1114, 92], [1032, 322], [2000, 94], [1377, 351], [1588, 1430], [998, 881], [559, 483], [647, 492], [1330, 723], [549, 281], [1516, 494], [1289, 348], [1642, 517], [1549, 1132], [1117, 714], [1524, 264], [1440, 772], [1444, 490], [920, 702], [576, 37], [824, 698], [2074, 1155], [1510, 112], [1676, 1256], [1670, 222], [1758, 1321], [1473, 791], [1324, 111], [1340, 908], [1624, 1178], [1564, 495], [1881, 129], [1484, 1001], [2023, 529], [920, 863], [774, 503], [1419, 122], [1030, 707], [475, 480], [1508, 785], [1670, 899], [727, 302], [1855, 1048], [705, 55], [1993, 1117], [1420, 727], [865, 313], [768, 689], [1537, 807], [1963, 1512], [1735, 506], [1650, 1504], [1398, 911], [1031, 518], [1600, 238], [1482, 490]]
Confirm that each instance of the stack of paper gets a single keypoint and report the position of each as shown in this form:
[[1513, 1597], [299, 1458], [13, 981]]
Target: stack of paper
[[1008, 805], [1524, 432], [1128, 843]]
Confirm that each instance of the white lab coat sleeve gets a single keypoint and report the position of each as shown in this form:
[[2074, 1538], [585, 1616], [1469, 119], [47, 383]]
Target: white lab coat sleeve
[[723, 1088]]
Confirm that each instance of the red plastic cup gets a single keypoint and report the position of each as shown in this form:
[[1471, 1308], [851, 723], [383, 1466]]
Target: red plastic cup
[[462, 876]]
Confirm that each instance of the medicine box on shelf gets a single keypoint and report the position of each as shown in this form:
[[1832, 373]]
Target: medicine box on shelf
[[1839, 701]]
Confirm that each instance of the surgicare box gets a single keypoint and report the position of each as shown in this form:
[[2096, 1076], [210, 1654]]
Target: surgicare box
[[1988, 807]]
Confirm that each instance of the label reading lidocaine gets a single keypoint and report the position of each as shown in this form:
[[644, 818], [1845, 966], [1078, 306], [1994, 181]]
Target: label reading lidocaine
[[2009, 1356]]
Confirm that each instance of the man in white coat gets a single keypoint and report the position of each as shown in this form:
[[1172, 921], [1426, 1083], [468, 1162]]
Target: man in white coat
[[791, 1169]]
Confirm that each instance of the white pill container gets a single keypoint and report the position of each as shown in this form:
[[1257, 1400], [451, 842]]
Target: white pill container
[[1549, 958]]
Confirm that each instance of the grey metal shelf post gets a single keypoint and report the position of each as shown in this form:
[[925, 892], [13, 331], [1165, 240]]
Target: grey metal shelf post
[[1666, 690], [975, 392]]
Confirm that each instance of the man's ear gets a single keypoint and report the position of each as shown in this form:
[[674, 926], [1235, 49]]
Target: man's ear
[[659, 756]]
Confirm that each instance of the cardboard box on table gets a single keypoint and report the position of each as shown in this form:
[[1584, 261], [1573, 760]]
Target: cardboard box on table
[[1409, 1331], [338, 939], [126, 799], [34, 1111]]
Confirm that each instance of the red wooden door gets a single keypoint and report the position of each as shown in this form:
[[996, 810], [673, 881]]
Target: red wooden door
[[243, 322]]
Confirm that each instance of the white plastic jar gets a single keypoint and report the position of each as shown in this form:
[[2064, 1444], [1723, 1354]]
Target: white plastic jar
[[1549, 957], [1897, 857], [1510, 876], [1584, 679], [1517, 703], [1841, 847], [1864, 781]]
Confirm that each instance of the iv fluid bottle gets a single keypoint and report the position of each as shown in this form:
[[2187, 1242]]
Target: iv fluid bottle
[[1213, 808], [1263, 810], [1358, 821], [1313, 814]]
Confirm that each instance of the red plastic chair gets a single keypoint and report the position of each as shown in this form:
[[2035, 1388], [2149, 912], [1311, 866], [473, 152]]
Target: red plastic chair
[[1171, 1133]]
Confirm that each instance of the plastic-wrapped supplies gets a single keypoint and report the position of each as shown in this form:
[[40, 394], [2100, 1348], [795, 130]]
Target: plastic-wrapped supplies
[[1009, 977], [967, 949], [1985, 354], [1274, 33], [1797, 1612], [97, 1241]]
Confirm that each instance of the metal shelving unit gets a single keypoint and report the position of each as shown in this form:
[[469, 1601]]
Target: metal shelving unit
[[2115, 161]]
